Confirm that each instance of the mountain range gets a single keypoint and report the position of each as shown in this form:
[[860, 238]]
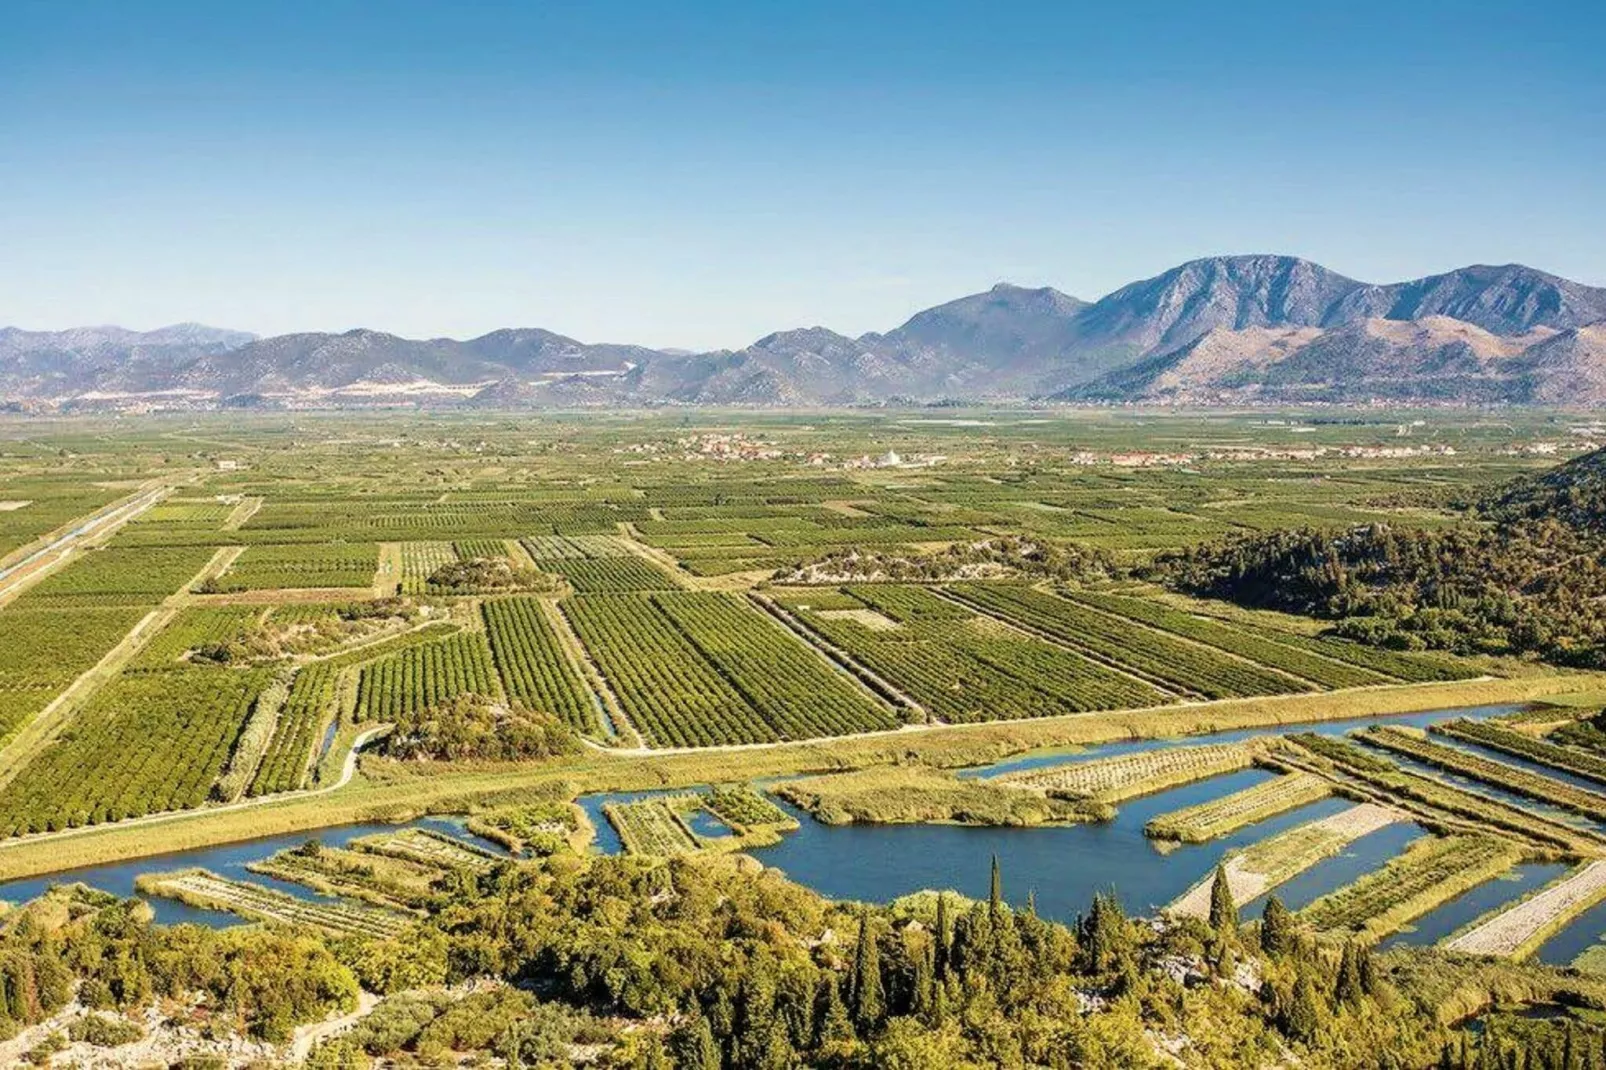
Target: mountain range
[[1222, 330]]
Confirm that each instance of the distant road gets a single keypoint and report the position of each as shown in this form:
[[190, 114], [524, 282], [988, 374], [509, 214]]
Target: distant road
[[21, 572]]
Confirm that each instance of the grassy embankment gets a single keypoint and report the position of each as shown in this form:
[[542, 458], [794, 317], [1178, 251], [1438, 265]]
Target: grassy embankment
[[388, 791]]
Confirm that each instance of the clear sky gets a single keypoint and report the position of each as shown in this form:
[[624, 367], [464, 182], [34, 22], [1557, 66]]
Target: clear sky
[[698, 174]]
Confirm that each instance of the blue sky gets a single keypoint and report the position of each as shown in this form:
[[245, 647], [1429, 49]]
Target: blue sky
[[698, 174]]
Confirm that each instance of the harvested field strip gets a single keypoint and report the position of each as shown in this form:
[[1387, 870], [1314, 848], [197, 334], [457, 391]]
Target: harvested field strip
[[1303, 663], [1130, 775], [1518, 929], [1430, 872], [1183, 663], [429, 847], [1262, 866], [654, 826], [198, 888], [1208, 820], [1501, 775], [1521, 745]]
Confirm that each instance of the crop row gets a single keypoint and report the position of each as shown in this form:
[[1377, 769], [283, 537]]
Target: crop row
[[145, 743], [670, 693], [1183, 664], [198, 888], [1128, 775], [419, 562], [1302, 663], [1217, 817], [655, 827], [305, 712], [334, 564], [118, 576], [1500, 774], [796, 691], [1431, 871], [1412, 668], [532, 663], [424, 676], [1500, 738], [962, 666], [608, 574]]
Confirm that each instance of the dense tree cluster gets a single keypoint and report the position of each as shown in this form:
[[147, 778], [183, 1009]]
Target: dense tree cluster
[[108, 953], [488, 574], [1534, 587], [1003, 556], [471, 727]]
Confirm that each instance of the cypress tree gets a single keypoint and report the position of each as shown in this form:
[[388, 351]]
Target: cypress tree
[[1348, 991], [694, 1046], [1223, 911], [944, 937], [995, 894], [1302, 1017], [1277, 929], [869, 1000]]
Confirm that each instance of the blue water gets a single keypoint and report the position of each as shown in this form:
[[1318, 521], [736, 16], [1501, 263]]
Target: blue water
[[1063, 865], [226, 860], [1587, 930], [1476, 902]]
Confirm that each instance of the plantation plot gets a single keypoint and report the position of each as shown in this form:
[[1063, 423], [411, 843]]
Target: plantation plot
[[398, 883], [1520, 744], [1188, 665], [420, 560], [1510, 777], [199, 888], [117, 576], [303, 565], [426, 675], [430, 848], [958, 665], [306, 711], [1290, 659], [43, 650], [743, 808], [1127, 776], [145, 743], [195, 628], [797, 692], [1208, 820], [533, 665], [671, 694], [608, 574], [1411, 668], [1262, 866], [655, 827], [1431, 871]]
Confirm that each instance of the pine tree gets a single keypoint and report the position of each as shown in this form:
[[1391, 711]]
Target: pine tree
[[1223, 911], [869, 1000], [1278, 933], [835, 1028]]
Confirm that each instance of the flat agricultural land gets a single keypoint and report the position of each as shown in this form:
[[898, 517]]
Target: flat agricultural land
[[203, 641]]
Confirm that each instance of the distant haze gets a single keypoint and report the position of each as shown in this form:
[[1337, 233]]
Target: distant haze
[[1220, 330]]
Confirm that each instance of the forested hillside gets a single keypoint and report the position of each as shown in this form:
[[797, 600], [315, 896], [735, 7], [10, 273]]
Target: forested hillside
[[1525, 573]]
